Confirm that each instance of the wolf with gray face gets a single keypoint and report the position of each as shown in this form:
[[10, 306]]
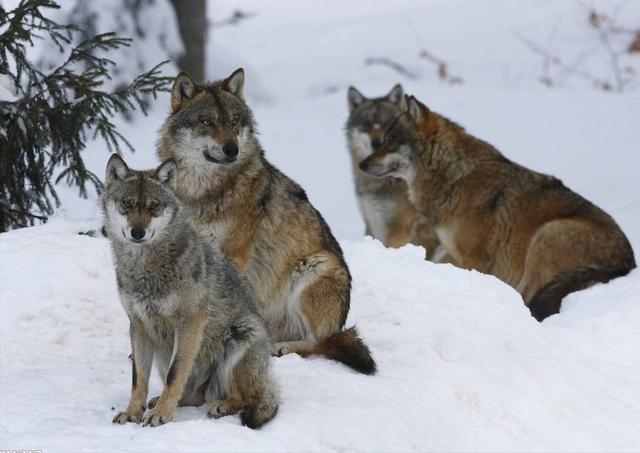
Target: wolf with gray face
[[188, 307], [261, 219], [388, 214]]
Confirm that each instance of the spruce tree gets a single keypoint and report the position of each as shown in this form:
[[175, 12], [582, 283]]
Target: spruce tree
[[47, 116]]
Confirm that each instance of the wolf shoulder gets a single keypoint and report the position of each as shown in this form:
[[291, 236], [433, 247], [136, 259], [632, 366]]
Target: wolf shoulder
[[286, 201]]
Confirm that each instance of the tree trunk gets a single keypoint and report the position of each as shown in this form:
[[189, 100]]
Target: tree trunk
[[192, 21]]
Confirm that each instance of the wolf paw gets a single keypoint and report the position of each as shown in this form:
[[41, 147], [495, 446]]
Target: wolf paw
[[156, 418], [128, 416], [280, 349], [222, 408]]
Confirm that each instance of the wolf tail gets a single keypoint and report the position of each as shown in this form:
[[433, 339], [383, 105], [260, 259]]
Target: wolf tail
[[261, 405], [547, 300], [346, 347]]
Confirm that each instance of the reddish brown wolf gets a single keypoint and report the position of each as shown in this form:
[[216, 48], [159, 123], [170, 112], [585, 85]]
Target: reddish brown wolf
[[495, 216]]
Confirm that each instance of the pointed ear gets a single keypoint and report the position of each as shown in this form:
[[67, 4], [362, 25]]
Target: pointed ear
[[396, 96], [355, 98], [183, 88], [166, 173], [117, 169], [234, 84], [417, 109]]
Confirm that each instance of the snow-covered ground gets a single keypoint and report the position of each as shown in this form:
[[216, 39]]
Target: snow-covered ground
[[462, 364]]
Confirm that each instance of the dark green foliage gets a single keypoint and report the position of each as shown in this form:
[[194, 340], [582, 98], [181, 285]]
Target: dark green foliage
[[43, 129]]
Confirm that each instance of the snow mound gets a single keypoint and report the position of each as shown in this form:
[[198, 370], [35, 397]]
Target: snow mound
[[462, 365]]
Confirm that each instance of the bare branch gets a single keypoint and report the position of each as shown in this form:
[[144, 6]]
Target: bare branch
[[384, 61], [442, 68]]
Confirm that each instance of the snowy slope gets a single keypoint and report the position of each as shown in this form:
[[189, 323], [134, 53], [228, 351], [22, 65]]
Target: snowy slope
[[462, 364]]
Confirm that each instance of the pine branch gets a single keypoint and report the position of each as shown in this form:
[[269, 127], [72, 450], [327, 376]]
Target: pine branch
[[45, 129]]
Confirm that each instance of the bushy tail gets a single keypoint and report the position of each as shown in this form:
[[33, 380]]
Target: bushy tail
[[547, 300], [346, 347], [261, 407]]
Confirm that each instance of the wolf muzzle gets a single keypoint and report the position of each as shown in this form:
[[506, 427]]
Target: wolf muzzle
[[222, 161], [373, 168]]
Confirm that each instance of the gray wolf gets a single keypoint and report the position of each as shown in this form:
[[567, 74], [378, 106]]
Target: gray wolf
[[384, 204], [261, 220], [187, 306], [495, 216]]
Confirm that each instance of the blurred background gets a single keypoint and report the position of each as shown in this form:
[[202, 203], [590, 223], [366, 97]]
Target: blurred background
[[553, 84]]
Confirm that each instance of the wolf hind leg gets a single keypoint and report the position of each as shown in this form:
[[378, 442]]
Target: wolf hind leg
[[228, 399], [224, 407], [563, 256], [257, 391], [318, 303], [301, 347], [324, 304]]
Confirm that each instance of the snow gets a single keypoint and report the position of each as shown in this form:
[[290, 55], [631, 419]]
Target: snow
[[462, 364]]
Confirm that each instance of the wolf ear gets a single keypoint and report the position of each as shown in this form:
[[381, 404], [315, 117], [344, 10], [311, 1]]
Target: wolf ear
[[183, 88], [355, 98], [416, 109], [396, 96], [117, 169], [234, 84], [166, 173]]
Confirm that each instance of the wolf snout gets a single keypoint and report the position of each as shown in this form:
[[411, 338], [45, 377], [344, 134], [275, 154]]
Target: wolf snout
[[230, 149], [138, 233], [373, 168], [224, 156], [364, 165]]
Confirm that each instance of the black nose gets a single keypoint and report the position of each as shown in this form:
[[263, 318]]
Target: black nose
[[364, 165], [230, 149], [137, 233], [375, 144]]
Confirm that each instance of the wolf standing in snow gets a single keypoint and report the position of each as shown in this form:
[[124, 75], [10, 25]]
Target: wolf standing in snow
[[187, 306], [384, 204], [261, 219], [498, 217]]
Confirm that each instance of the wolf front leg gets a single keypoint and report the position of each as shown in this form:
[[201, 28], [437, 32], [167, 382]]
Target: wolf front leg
[[187, 341], [142, 358]]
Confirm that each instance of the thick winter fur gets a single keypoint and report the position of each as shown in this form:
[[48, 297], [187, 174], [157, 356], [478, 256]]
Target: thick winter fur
[[495, 216], [187, 305], [261, 219], [388, 214]]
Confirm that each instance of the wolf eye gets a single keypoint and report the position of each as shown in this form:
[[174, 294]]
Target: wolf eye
[[126, 204], [235, 120], [154, 206], [206, 122]]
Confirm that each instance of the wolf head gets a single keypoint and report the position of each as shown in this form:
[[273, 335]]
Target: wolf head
[[402, 144], [369, 117], [138, 206], [210, 128]]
